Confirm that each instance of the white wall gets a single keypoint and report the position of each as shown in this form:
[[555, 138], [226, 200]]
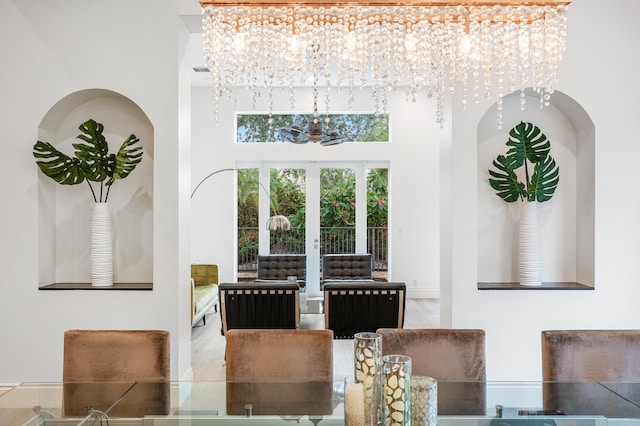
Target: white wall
[[601, 76], [414, 168], [54, 48], [50, 50]]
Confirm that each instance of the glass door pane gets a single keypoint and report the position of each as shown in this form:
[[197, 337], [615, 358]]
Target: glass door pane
[[332, 208], [377, 220], [288, 198], [248, 230], [337, 211]]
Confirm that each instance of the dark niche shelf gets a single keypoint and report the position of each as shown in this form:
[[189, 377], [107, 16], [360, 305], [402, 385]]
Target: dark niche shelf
[[88, 286], [544, 286]]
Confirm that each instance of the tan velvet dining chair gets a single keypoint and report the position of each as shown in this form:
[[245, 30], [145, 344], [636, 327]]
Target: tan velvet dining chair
[[571, 356], [454, 357], [589, 355], [100, 365], [277, 371]]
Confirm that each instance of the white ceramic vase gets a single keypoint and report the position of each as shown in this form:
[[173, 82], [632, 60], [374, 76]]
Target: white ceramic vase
[[530, 263], [101, 247]]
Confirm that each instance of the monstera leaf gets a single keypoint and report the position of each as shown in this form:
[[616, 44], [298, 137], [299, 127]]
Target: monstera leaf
[[544, 180], [57, 165], [528, 147], [94, 154], [527, 142], [126, 159], [92, 161], [505, 180]]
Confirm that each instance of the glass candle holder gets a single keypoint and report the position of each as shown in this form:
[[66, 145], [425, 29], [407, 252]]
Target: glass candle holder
[[367, 356], [424, 401], [396, 380]]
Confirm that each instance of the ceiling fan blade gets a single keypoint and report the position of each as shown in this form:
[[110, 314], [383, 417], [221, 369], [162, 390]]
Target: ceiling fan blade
[[333, 138], [294, 134]]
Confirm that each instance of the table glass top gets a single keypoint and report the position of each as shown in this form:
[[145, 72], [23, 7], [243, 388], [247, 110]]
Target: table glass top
[[200, 403]]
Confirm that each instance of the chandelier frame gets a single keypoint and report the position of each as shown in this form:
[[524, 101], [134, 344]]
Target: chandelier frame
[[409, 3]]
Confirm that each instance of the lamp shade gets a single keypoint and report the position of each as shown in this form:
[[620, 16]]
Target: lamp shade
[[278, 223]]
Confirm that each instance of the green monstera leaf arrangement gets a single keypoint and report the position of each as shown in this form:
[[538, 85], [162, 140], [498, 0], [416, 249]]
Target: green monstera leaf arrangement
[[92, 161], [529, 148]]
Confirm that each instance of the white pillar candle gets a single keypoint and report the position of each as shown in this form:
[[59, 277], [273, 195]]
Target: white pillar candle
[[354, 405]]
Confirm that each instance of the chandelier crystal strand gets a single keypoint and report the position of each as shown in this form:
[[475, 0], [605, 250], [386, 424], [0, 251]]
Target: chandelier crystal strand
[[537, 63], [438, 78], [328, 47], [489, 51], [512, 53], [499, 46], [523, 48]]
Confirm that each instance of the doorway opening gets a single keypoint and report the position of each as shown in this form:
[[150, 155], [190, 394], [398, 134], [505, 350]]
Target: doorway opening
[[332, 208]]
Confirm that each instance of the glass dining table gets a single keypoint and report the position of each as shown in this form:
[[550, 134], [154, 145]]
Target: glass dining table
[[313, 403]]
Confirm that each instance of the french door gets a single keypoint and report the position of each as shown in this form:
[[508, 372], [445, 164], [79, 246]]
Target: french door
[[326, 203]]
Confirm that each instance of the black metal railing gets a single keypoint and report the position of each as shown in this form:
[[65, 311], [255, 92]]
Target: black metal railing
[[332, 240]]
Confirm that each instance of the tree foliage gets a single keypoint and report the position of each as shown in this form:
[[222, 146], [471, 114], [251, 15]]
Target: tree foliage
[[337, 197], [257, 128]]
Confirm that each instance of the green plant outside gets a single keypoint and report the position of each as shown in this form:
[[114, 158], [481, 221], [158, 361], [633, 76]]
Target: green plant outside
[[92, 161], [529, 147], [336, 194], [337, 208], [263, 128]]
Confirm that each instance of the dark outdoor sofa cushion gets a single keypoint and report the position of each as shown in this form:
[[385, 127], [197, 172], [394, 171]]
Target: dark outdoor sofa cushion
[[279, 267]]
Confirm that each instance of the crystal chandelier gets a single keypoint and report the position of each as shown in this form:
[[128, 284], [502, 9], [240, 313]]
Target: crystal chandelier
[[485, 49]]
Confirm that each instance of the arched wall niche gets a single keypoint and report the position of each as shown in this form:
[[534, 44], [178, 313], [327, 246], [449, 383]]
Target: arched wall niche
[[567, 221], [64, 211]]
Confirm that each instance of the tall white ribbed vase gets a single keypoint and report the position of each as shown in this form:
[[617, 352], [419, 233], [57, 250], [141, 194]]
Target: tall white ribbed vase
[[101, 247], [530, 262]]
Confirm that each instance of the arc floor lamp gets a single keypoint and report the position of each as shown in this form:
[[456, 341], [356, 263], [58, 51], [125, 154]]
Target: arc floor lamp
[[277, 222]]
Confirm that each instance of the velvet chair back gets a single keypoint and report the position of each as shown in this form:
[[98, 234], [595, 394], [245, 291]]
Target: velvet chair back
[[571, 358], [454, 357], [591, 355], [100, 365], [284, 372]]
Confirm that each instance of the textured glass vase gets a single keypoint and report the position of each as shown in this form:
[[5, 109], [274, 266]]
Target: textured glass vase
[[101, 247], [396, 391], [529, 232], [367, 357], [424, 401]]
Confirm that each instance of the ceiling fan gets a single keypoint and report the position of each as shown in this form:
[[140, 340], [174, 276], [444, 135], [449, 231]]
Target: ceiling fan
[[314, 133]]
